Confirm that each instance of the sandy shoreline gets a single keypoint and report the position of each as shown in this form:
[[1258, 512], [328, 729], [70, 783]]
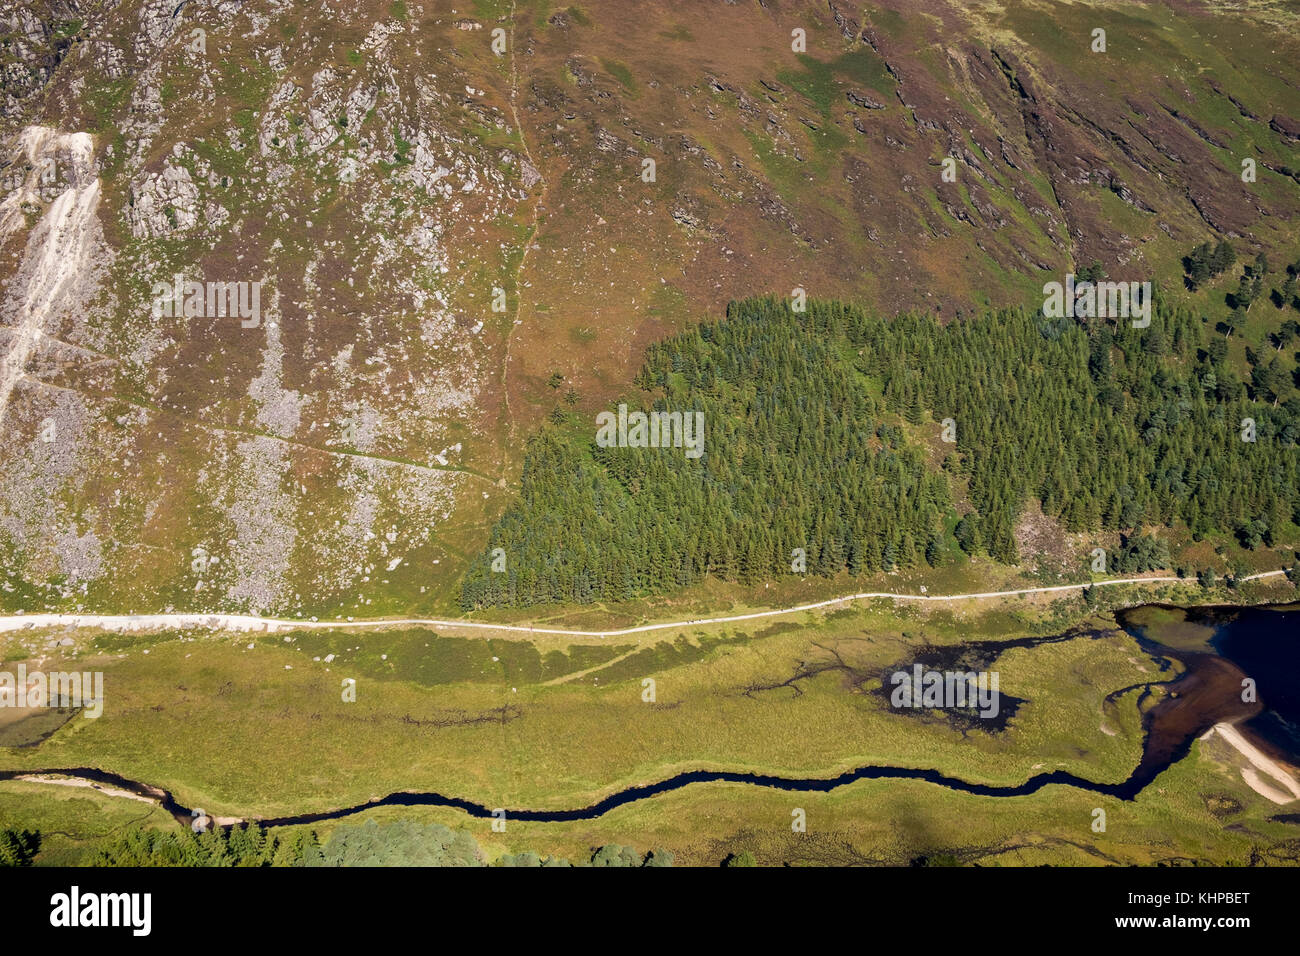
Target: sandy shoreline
[[78, 782], [1261, 765], [112, 792]]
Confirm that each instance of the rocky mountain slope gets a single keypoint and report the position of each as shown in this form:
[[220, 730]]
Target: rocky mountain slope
[[453, 216]]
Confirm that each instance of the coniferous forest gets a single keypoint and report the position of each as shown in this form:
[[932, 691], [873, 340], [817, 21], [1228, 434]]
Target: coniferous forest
[[824, 433]]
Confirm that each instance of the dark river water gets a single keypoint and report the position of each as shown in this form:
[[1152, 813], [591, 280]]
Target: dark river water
[[1229, 644]]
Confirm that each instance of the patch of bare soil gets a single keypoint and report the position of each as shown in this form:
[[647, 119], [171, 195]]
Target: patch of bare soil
[[1044, 545]]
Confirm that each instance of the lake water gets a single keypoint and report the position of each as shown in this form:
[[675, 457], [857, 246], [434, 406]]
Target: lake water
[[1262, 642]]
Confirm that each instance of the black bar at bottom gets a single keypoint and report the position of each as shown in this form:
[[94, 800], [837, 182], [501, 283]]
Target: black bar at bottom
[[300, 907]]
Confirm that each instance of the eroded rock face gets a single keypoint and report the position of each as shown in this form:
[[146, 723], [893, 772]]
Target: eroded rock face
[[1288, 127], [164, 203], [61, 266], [35, 39], [284, 482], [59, 257], [865, 100]]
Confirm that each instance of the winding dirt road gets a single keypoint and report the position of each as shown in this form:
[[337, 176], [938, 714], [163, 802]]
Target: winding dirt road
[[247, 622]]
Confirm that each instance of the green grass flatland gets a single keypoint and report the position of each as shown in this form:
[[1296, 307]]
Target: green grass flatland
[[263, 732]]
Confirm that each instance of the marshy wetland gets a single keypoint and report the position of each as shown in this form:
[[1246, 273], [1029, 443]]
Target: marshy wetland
[[1102, 712]]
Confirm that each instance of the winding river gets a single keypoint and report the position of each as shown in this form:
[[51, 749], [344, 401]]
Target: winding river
[[1264, 641]]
